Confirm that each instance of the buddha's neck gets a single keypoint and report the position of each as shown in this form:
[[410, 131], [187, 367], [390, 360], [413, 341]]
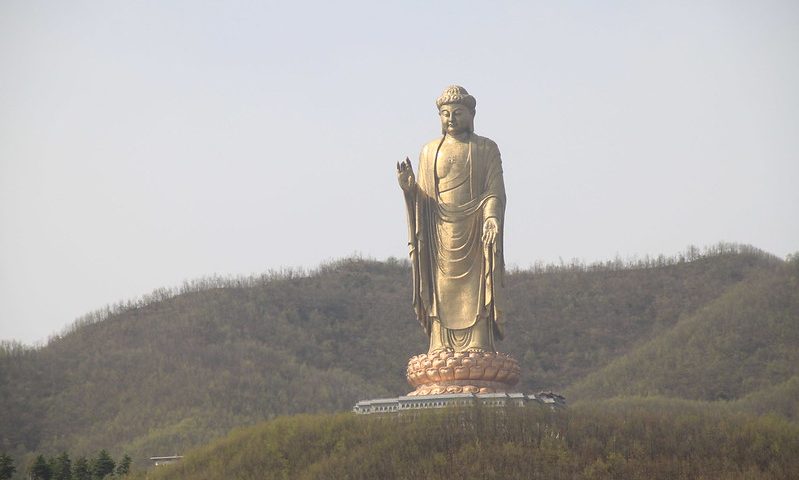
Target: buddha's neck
[[459, 137]]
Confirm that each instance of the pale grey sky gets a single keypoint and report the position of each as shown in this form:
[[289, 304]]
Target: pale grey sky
[[147, 143]]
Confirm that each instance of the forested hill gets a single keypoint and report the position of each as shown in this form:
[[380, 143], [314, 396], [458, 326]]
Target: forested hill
[[181, 368], [630, 439]]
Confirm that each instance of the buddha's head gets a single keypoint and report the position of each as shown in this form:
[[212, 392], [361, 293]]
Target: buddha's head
[[456, 110]]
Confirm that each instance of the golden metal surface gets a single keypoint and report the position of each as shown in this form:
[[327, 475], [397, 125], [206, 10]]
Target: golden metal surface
[[456, 210], [462, 372]]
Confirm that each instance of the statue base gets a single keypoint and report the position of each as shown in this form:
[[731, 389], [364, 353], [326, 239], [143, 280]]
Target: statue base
[[448, 372]]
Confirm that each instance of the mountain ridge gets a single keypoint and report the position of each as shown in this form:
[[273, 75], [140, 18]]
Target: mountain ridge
[[186, 366]]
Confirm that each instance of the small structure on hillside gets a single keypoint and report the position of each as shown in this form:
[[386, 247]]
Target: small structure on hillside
[[159, 461]]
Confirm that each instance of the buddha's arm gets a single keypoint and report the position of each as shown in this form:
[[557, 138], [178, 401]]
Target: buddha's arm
[[494, 206], [411, 192]]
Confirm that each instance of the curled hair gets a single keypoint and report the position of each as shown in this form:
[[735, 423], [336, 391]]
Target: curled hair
[[456, 94]]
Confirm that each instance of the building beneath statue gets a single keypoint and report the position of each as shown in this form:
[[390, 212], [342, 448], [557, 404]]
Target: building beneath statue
[[416, 402]]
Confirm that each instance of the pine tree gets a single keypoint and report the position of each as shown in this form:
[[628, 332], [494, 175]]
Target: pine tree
[[124, 466], [62, 467], [103, 465], [40, 470], [80, 470], [7, 468]]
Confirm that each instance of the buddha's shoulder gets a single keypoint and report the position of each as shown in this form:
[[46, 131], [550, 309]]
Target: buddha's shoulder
[[484, 141], [432, 145]]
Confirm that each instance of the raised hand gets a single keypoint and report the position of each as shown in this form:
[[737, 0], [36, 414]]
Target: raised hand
[[405, 175]]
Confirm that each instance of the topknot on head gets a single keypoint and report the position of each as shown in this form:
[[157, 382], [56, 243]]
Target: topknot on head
[[456, 94]]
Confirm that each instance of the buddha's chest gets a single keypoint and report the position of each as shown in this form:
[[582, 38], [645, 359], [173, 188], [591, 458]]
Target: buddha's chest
[[452, 160]]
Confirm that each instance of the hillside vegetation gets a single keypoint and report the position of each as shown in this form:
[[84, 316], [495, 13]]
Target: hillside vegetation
[[741, 342], [183, 367], [630, 439]]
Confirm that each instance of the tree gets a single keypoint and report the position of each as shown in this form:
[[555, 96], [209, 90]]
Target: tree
[[80, 470], [103, 465], [40, 470], [62, 467], [124, 466], [7, 468]]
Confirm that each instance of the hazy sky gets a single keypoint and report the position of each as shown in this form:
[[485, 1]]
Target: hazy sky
[[144, 143]]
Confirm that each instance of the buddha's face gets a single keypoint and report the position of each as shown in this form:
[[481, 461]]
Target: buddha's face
[[456, 119]]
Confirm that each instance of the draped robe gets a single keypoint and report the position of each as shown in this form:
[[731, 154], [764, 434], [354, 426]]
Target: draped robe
[[457, 279]]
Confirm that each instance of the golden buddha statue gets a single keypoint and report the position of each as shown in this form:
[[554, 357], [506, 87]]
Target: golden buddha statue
[[456, 211]]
